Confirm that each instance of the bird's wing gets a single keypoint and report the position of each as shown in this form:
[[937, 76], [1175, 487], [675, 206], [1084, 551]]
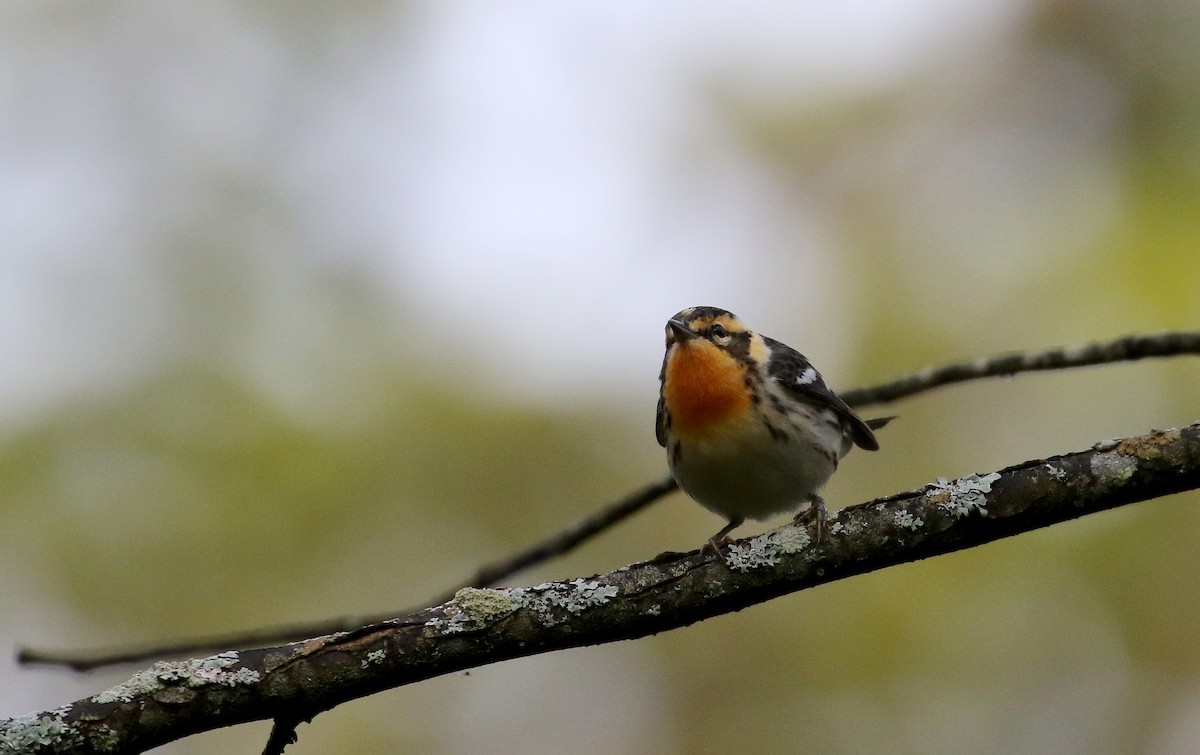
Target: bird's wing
[[796, 375]]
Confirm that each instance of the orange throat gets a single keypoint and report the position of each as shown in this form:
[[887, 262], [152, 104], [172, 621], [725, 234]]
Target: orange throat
[[703, 387]]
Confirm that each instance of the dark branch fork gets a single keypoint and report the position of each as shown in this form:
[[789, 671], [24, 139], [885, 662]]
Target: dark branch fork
[[293, 683], [1128, 348]]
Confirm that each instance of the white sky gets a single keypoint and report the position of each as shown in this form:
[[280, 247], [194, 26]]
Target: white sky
[[527, 165]]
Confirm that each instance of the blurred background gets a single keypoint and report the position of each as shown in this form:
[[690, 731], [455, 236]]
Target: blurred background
[[307, 309]]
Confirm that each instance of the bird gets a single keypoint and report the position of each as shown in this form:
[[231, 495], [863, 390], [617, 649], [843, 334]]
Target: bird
[[750, 428]]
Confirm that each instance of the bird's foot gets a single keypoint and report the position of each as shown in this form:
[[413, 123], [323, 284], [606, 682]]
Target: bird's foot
[[816, 514], [721, 539]]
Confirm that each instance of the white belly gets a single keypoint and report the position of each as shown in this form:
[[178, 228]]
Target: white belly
[[758, 476]]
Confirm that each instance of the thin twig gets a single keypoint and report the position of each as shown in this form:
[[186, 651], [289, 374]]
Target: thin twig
[[1129, 348], [487, 575], [567, 539], [89, 660]]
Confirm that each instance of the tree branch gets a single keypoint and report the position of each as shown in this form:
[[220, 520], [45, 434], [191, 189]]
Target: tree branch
[[1128, 348], [481, 626]]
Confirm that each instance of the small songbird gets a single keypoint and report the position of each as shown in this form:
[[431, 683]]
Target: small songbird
[[751, 429]]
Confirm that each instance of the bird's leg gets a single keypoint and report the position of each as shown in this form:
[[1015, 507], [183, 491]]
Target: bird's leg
[[721, 538], [814, 513]]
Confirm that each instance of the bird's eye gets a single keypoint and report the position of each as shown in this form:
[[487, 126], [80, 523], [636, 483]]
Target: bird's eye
[[719, 331]]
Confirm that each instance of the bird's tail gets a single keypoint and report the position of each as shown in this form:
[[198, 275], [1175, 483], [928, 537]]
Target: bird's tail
[[877, 422]]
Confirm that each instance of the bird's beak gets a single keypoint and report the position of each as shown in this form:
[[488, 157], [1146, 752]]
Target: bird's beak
[[681, 331]]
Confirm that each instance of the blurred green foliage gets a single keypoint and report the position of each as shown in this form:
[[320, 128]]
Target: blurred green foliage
[[199, 496]]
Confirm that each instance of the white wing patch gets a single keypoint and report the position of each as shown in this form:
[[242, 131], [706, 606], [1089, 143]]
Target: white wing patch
[[807, 377]]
